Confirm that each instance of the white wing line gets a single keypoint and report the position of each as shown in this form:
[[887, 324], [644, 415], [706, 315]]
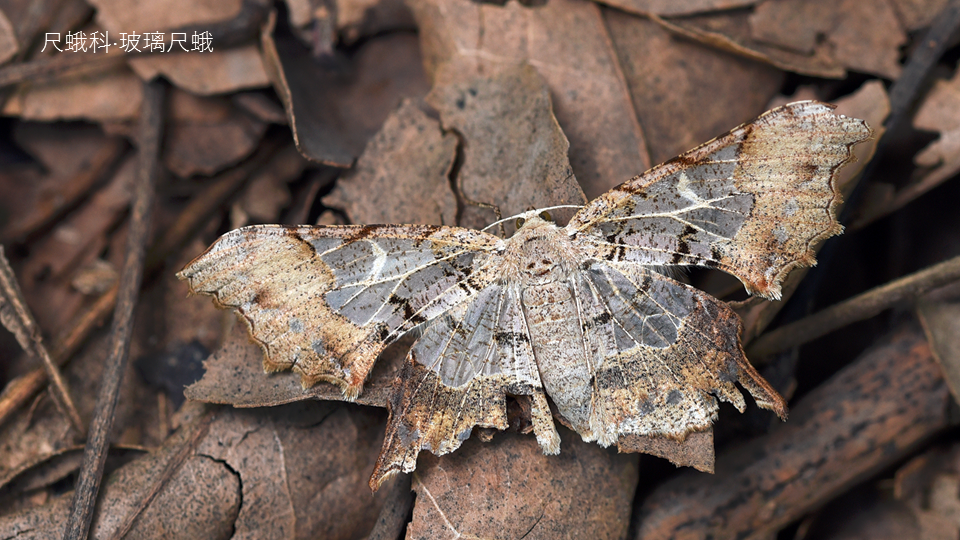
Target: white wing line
[[673, 214], [400, 278]]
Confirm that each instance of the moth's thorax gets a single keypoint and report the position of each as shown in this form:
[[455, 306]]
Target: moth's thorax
[[539, 252]]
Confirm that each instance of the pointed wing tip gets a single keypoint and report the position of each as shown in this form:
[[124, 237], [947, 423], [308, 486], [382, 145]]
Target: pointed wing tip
[[380, 476]]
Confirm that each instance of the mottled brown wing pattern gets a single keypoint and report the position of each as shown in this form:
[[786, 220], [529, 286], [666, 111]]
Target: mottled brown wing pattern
[[752, 202], [457, 376], [325, 301], [662, 350]]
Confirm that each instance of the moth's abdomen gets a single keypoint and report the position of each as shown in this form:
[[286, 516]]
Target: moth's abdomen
[[556, 335]]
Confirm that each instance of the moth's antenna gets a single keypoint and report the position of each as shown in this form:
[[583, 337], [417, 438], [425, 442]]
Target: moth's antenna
[[500, 221], [508, 218]]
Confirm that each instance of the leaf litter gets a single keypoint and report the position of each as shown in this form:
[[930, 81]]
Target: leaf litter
[[625, 90]]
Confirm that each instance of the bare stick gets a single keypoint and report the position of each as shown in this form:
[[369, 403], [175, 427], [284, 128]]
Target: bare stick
[[858, 308], [95, 454], [16, 316]]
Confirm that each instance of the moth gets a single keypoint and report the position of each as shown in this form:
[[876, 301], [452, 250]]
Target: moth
[[577, 313]]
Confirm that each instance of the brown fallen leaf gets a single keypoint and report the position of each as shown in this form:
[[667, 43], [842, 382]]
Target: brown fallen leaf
[[695, 451], [668, 8], [268, 192], [234, 376], [75, 159], [861, 36], [289, 488], [929, 485], [730, 31], [359, 18], [334, 109], [215, 72], [113, 95], [209, 136], [199, 500], [508, 489], [939, 313], [590, 96], [514, 153], [75, 241], [409, 159], [681, 108], [940, 113], [121, 16], [8, 39], [917, 14]]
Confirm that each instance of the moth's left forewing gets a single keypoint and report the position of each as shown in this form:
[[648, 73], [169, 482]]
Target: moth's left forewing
[[325, 301], [753, 202]]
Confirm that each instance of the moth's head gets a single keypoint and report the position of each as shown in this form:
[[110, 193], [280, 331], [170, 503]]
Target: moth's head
[[534, 218]]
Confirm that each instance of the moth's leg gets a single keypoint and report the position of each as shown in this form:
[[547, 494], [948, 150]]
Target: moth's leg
[[543, 426]]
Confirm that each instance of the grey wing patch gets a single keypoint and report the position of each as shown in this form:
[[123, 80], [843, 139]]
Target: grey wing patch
[[662, 351], [457, 376], [325, 301]]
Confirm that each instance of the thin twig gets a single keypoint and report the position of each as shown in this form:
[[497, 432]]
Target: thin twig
[[20, 321], [174, 463], [858, 308], [95, 454]]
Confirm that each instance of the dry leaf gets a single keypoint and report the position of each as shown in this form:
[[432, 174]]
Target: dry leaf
[[8, 39], [76, 240], [112, 95], [917, 14], [333, 109], [686, 93], [408, 160], [508, 489], [668, 8], [291, 489], [75, 159], [731, 32], [123, 16], [862, 36], [234, 376], [939, 313], [206, 147], [929, 485], [199, 501], [514, 153], [207, 73], [940, 113], [590, 97]]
